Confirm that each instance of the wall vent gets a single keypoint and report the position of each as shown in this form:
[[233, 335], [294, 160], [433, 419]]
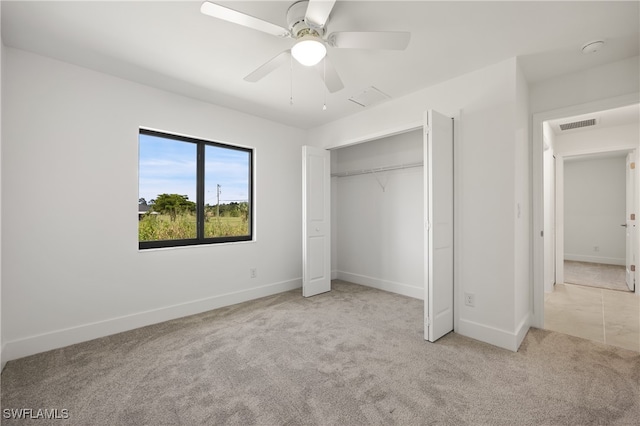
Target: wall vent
[[578, 124]]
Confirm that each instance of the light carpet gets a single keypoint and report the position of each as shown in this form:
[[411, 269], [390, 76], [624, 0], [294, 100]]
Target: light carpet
[[598, 275], [354, 356]]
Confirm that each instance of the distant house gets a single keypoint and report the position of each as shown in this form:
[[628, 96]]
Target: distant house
[[144, 209]]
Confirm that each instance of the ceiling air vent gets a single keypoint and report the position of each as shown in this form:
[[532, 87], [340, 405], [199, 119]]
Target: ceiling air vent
[[369, 96], [578, 124]]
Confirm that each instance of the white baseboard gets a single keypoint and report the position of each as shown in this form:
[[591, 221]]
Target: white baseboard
[[595, 259], [494, 336], [60, 338], [523, 329], [394, 287]]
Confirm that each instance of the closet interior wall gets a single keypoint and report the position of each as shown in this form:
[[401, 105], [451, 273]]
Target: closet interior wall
[[377, 213]]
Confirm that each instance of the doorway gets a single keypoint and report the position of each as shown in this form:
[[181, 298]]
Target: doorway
[[593, 211], [563, 299]]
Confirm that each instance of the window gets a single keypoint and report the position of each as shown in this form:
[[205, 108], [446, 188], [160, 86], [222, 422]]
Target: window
[[192, 191]]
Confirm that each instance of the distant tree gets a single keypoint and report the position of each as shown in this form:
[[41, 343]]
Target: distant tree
[[142, 201], [244, 211], [233, 209], [173, 205]]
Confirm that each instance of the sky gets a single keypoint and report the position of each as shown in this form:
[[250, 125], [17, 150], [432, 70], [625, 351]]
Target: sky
[[169, 166]]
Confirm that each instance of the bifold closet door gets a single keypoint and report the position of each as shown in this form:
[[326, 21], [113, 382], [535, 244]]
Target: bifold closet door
[[316, 221], [438, 229]]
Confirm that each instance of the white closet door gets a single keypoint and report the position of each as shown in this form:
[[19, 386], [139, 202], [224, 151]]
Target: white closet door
[[316, 221], [438, 232]]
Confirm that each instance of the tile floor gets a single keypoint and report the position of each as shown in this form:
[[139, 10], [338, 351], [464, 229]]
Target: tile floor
[[606, 316]]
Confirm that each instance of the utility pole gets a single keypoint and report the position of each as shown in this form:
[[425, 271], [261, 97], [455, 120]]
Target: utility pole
[[218, 205]]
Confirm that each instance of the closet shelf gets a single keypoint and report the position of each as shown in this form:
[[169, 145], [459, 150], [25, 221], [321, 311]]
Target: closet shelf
[[376, 170]]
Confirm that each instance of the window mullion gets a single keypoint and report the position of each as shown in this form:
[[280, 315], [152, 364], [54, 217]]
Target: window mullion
[[200, 213]]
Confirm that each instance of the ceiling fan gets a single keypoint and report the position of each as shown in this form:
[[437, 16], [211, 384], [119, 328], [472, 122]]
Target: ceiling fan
[[306, 22]]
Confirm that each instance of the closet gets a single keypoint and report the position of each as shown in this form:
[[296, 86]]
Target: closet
[[377, 199], [380, 213]]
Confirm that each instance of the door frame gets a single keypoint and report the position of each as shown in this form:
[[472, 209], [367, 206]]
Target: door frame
[[537, 187], [559, 205], [631, 252]]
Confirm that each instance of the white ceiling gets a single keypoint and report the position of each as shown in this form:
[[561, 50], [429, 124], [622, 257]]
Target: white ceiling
[[172, 46]]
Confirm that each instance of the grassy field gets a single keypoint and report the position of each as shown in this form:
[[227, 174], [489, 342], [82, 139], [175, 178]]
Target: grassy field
[[161, 227]]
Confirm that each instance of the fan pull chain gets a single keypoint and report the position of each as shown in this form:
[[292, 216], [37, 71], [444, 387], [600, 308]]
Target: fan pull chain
[[324, 80], [291, 79]]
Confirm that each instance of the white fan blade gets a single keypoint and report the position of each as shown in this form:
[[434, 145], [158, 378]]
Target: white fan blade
[[269, 66], [392, 40], [318, 12], [329, 75], [236, 17]]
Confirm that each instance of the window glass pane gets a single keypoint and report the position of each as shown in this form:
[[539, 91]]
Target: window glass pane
[[167, 189], [227, 192]]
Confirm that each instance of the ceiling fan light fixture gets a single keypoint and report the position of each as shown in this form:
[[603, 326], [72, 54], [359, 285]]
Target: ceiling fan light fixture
[[309, 50]]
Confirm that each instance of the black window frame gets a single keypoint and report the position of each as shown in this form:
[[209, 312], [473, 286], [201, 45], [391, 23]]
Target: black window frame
[[200, 239]]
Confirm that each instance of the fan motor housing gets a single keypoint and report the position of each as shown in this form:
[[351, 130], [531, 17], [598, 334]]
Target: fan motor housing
[[296, 21]]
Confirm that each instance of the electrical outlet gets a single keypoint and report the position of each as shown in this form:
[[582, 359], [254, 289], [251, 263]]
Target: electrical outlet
[[596, 248], [253, 272], [470, 299]]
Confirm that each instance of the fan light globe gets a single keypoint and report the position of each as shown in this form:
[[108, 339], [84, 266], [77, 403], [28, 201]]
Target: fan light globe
[[308, 51]]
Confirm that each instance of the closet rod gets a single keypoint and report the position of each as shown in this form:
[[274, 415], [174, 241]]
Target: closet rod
[[376, 170]]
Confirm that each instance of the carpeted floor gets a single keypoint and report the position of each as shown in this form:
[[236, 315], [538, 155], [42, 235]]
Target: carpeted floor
[[598, 275], [354, 356]]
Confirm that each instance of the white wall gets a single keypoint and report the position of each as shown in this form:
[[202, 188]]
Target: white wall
[[72, 270], [522, 195], [334, 215], [2, 61], [487, 131], [602, 82], [594, 208], [378, 217]]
